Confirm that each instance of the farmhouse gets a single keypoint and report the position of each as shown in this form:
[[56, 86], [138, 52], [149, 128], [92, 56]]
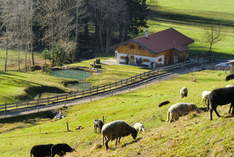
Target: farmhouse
[[158, 49]]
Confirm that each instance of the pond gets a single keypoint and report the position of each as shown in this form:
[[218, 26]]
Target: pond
[[74, 74]]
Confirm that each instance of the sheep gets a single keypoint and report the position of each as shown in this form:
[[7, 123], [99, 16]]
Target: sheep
[[229, 77], [115, 130], [41, 150], [229, 85], [184, 92], [98, 124], [61, 149], [180, 109], [221, 96], [205, 95], [139, 127], [163, 103]]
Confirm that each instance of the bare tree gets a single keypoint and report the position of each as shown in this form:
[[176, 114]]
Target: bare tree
[[55, 18], [213, 36], [17, 19]]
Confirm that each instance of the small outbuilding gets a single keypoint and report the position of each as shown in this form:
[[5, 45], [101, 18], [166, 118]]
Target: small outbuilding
[[153, 50]]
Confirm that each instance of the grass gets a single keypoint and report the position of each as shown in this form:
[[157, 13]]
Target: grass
[[13, 59], [192, 18], [109, 73], [192, 135], [14, 84]]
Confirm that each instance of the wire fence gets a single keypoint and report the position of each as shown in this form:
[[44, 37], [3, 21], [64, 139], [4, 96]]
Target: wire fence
[[95, 90]]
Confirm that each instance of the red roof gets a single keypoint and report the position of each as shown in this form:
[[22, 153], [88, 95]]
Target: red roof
[[164, 40]]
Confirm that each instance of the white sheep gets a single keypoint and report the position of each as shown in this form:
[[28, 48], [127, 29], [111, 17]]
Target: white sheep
[[139, 127], [205, 95], [184, 92], [180, 109]]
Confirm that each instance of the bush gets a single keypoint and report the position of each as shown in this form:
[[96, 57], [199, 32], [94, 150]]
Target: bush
[[62, 53]]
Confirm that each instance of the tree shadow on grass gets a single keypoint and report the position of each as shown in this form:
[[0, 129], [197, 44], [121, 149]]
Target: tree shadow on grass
[[30, 119], [205, 53], [185, 19]]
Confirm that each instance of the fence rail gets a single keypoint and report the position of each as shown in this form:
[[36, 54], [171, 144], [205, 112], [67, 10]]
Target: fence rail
[[43, 102]]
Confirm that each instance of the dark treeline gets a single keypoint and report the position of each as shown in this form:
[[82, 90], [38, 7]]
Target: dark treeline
[[68, 30]]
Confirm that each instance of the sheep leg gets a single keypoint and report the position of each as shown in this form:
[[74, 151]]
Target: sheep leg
[[231, 109], [168, 116], [116, 141], [95, 130], [106, 143], [211, 111], [216, 112]]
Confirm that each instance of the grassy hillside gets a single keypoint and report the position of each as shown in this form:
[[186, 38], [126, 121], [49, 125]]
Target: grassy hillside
[[192, 18], [194, 134], [13, 84]]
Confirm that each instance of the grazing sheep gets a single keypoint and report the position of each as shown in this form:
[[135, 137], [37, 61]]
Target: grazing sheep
[[229, 77], [97, 125], [229, 85], [180, 109], [41, 150], [184, 92], [115, 130], [139, 127], [205, 95], [163, 103], [61, 149], [221, 96]]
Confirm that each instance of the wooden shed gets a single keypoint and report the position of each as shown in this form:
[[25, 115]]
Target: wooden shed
[[158, 49]]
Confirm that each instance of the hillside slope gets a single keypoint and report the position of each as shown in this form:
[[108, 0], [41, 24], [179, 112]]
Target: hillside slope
[[193, 134]]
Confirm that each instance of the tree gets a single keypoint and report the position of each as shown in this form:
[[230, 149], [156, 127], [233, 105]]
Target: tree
[[57, 22], [138, 12], [213, 36]]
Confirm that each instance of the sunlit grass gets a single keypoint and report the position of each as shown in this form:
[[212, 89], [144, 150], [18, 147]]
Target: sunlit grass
[[135, 106]]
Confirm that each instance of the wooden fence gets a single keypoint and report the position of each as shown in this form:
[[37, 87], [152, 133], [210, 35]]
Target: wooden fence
[[95, 90]]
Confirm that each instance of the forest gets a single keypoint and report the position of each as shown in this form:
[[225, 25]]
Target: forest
[[64, 31]]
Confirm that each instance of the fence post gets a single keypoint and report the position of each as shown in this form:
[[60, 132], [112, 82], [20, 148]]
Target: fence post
[[67, 126]]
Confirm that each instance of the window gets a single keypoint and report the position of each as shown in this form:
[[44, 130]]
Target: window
[[160, 59]]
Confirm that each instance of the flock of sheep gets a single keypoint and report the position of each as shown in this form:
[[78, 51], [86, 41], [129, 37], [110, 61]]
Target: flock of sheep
[[221, 96], [115, 130]]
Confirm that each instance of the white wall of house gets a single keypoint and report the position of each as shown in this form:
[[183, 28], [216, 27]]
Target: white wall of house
[[154, 60]]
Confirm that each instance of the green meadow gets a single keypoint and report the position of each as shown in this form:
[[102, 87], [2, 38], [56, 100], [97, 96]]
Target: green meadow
[[193, 18], [192, 135]]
